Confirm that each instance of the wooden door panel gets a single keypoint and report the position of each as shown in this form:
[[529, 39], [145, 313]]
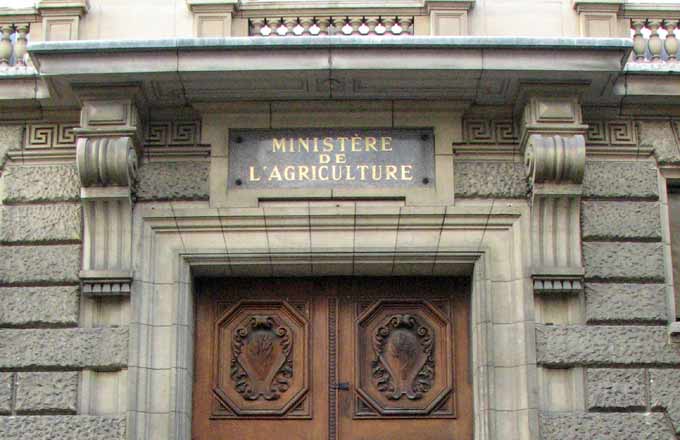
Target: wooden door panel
[[254, 360], [332, 358], [405, 356]]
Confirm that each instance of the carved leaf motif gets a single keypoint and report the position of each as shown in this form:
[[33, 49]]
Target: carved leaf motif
[[261, 364], [403, 364]]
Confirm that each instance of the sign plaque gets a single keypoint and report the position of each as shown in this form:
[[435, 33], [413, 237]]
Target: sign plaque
[[331, 158]]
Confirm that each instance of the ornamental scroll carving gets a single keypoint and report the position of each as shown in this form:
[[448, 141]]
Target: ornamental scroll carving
[[262, 361], [403, 359], [555, 158], [554, 145], [403, 363], [261, 364], [106, 161]]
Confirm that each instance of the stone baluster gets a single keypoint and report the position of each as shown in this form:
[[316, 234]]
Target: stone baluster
[[21, 45], [6, 31], [372, 23], [654, 44], [306, 23], [324, 24], [406, 23], [290, 23], [671, 42], [256, 25], [355, 23], [639, 43], [389, 23]]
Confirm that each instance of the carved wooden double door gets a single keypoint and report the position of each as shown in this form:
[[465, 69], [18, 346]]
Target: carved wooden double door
[[332, 358]]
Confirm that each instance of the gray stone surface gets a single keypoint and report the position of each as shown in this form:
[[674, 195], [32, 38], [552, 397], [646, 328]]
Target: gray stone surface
[[47, 393], [39, 306], [31, 264], [610, 426], [11, 137], [618, 303], [40, 183], [566, 346], [5, 392], [664, 390], [615, 388], [624, 261], [173, 181], [489, 179], [631, 179], [40, 223], [104, 348], [659, 135], [602, 220], [62, 428]]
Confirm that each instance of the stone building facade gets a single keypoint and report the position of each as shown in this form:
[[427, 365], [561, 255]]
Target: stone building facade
[[553, 130]]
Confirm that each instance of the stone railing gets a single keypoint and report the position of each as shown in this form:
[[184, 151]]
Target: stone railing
[[655, 39], [13, 44], [313, 26]]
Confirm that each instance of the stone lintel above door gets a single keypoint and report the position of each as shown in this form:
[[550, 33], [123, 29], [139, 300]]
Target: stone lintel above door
[[552, 138]]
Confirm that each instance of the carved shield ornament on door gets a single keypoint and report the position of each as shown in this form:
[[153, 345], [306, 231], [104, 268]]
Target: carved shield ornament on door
[[262, 361], [404, 356]]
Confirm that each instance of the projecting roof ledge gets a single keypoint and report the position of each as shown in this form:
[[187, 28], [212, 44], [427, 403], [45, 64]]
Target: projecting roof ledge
[[241, 43]]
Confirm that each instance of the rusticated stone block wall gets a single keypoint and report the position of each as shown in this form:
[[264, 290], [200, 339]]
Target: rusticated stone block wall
[[43, 347], [632, 371]]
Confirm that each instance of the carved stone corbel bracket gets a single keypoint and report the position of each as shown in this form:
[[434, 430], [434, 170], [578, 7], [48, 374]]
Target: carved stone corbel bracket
[[107, 151], [553, 143]]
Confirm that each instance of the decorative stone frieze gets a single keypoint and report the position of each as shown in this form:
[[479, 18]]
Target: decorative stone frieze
[[489, 131], [552, 139], [107, 151], [50, 135]]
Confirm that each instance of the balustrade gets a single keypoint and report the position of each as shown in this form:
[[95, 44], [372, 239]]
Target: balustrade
[[314, 26], [13, 45], [655, 40]]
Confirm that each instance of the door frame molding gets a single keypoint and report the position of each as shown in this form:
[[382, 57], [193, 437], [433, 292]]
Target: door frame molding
[[485, 240]]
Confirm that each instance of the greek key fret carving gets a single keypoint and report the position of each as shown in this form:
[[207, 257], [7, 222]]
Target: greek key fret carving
[[51, 135], [489, 131], [173, 133], [614, 133]]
